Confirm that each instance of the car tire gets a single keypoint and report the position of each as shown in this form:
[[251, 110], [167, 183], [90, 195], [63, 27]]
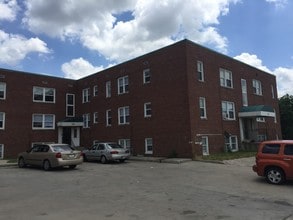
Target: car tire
[[46, 165], [103, 159], [275, 175], [21, 163], [122, 160], [72, 167]]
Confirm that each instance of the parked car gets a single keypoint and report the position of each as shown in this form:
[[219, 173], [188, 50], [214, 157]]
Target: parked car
[[106, 151], [274, 161], [50, 156]]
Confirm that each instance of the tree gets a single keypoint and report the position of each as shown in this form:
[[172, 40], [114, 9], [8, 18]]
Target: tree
[[286, 116]]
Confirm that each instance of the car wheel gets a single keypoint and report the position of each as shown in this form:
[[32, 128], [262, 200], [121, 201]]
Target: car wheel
[[275, 175], [122, 160], [21, 163], [103, 160], [46, 165], [72, 166]]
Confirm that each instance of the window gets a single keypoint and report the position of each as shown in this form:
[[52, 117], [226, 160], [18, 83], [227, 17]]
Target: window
[[1, 151], [2, 90], [86, 95], [261, 137], [123, 115], [70, 105], [124, 143], [108, 117], [146, 76], [122, 85], [41, 94], [205, 145], [271, 149], [244, 92], [287, 151], [148, 145], [43, 121], [231, 143], [228, 110], [2, 120], [202, 107], [108, 89], [200, 74], [95, 117], [147, 110], [95, 90], [273, 92], [86, 120], [257, 87], [226, 78]]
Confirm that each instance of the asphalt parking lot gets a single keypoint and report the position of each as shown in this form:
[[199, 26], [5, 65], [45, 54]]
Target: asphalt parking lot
[[142, 190]]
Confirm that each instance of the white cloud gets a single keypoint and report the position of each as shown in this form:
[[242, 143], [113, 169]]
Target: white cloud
[[278, 3], [14, 48], [8, 10], [153, 23], [78, 68], [284, 76]]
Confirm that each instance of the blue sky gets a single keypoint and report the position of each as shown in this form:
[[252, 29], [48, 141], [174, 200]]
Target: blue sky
[[72, 38]]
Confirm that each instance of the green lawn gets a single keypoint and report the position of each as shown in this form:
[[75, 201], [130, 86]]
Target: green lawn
[[230, 155]]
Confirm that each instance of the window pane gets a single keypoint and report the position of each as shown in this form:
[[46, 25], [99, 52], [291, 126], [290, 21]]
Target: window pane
[[38, 94]]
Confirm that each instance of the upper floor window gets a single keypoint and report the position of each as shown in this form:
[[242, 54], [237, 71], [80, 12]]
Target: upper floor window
[[95, 90], [41, 94], [147, 109], [85, 95], [122, 85], [43, 121], [2, 90], [146, 76], [70, 105], [202, 107], [2, 120], [108, 117], [226, 78], [228, 110], [273, 91], [108, 89], [244, 92], [200, 73], [95, 117], [86, 120], [257, 90], [123, 115]]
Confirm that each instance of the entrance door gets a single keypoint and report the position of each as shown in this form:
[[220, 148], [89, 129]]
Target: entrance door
[[66, 135]]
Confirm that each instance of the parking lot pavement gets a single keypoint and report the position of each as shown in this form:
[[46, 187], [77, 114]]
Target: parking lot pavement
[[142, 190]]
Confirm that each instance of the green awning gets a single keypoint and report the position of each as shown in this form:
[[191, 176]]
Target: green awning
[[257, 111]]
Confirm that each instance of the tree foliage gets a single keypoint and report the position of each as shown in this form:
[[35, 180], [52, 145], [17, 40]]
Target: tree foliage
[[286, 116]]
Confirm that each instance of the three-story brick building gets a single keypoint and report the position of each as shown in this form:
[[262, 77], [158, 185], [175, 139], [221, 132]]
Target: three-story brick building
[[182, 100]]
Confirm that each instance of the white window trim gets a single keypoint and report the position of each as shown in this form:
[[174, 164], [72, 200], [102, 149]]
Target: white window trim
[[122, 113], [145, 76], [146, 109], [44, 94], [200, 71], [96, 116], [146, 146], [228, 144], [4, 91], [95, 90], [70, 105], [86, 120], [108, 117], [226, 115], [126, 143], [86, 95], [43, 122], [225, 76], [3, 121], [206, 151], [123, 83], [202, 100], [257, 87], [244, 92], [108, 89]]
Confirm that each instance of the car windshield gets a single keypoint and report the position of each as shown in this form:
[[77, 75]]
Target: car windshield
[[115, 146], [61, 148]]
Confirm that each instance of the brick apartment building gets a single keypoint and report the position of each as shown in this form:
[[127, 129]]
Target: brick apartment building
[[182, 100]]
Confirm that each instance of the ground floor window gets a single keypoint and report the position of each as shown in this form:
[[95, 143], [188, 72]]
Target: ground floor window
[[2, 120], [148, 145], [231, 143], [205, 145], [124, 143], [1, 151]]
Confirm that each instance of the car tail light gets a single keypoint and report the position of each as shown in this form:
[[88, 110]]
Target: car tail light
[[114, 152], [58, 155]]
